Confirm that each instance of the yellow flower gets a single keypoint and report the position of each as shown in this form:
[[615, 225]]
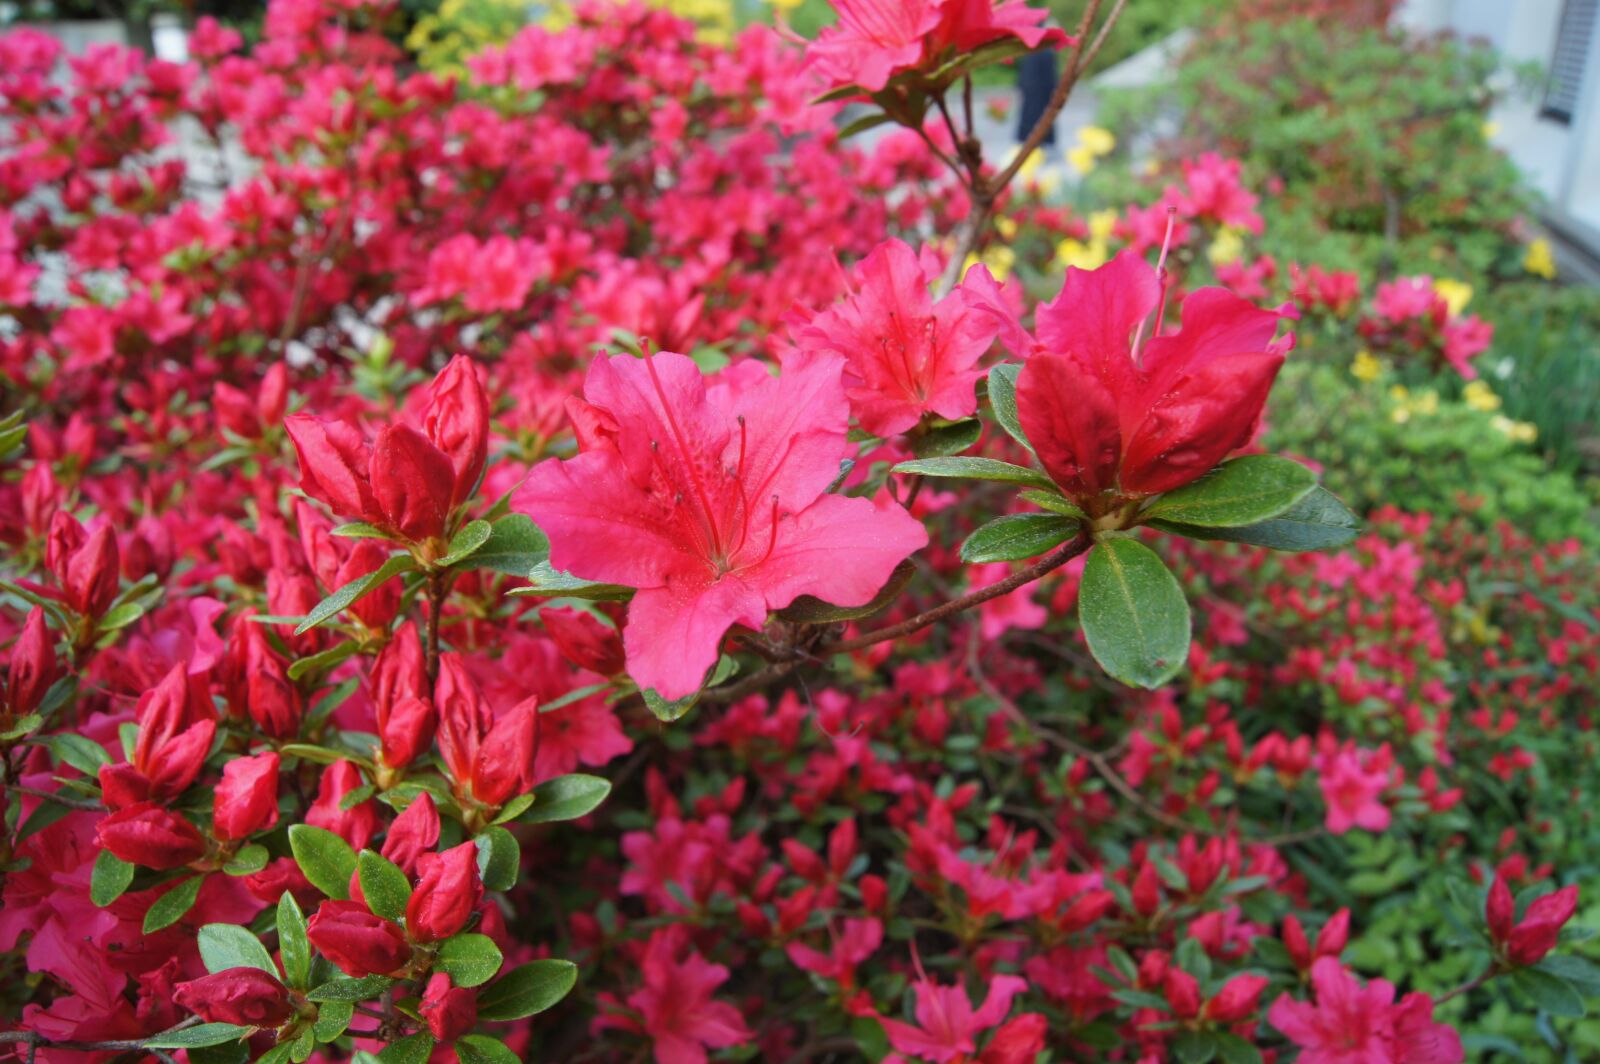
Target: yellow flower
[[1456, 294], [1365, 367], [1226, 247], [1093, 142], [1006, 227], [785, 5], [1480, 397], [1490, 129], [1427, 402], [1030, 165], [1539, 260], [1090, 256], [999, 259], [1101, 223], [1516, 431]]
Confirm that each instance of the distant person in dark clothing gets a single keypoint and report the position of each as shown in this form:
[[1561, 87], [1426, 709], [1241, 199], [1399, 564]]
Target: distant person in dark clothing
[[1036, 78]]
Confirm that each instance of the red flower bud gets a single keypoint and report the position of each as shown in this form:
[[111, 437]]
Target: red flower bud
[[146, 834], [283, 874], [356, 941], [377, 608], [1536, 934], [413, 833], [356, 825], [1237, 999], [1294, 940], [464, 717], [1334, 934], [584, 641], [33, 666], [1019, 1041], [446, 894], [457, 423], [506, 755], [273, 702], [247, 797], [272, 397], [236, 411], [406, 730], [1147, 890], [412, 481], [1183, 993], [399, 670], [1500, 910], [174, 736], [86, 566], [248, 997], [450, 1011], [1153, 969], [334, 460], [874, 892]]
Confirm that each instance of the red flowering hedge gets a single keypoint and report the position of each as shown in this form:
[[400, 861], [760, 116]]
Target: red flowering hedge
[[909, 669]]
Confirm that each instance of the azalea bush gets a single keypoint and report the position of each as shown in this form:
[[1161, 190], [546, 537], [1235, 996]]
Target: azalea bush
[[577, 561]]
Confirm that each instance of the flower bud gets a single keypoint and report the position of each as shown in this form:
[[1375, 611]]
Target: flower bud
[[247, 797], [1146, 890], [248, 997], [1237, 999], [33, 666], [1536, 934], [356, 825], [584, 641], [1500, 910], [174, 736], [406, 731], [449, 1011], [272, 397], [273, 702], [446, 894], [377, 608], [412, 481], [399, 671], [334, 460], [1294, 940], [457, 423], [86, 566], [506, 755], [146, 834], [357, 941], [236, 412], [464, 718], [282, 874], [413, 833], [1183, 993], [1334, 934]]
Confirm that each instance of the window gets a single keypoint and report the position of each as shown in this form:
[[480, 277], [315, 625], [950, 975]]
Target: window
[[1565, 85]]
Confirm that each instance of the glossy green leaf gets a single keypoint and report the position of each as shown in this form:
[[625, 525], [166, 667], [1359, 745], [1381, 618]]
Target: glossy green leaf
[[224, 946], [293, 945], [946, 439], [1133, 613], [204, 1034], [1003, 400], [465, 543], [385, 888], [527, 990], [810, 610], [976, 469], [332, 1018], [470, 958], [1244, 491], [1317, 522], [1549, 993], [546, 582], [109, 879], [355, 591], [514, 547], [1055, 502], [499, 858], [566, 797], [325, 859], [79, 751], [412, 1049], [345, 989], [248, 861], [1017, 536], [173, 905], [482, 1049]]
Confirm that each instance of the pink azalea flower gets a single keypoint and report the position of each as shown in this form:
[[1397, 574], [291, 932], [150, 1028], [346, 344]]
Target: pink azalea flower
[[1355, 1024], [947, 1025], [674, 1006], [907, 355], [709, 497], [876, 39], [1352, 781]]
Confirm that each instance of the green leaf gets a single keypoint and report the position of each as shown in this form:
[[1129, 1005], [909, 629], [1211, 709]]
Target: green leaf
[[566, 798], [1550, 993], [471, 959], [1583, 975], [323, 660], [354, 591], [204, 1034], [1003, 400], [1235, 1050], [119, 616], [345, 989], [43, 815], [81, 752], [1055, 502], [865, 122], [360, 530], [546, 582], [499, 859], [109, 879], [171, 906], [465, 543], [248, 861], [293, 945], [22, 726], [976, 469], [527, 990], [518, 805], [1317, 522], [383, 885], [224, 946], [1194, 1047], [412, 1049], [1244, 491], [332, 1018], [669, 711], [325, 858], [1133, 613], [482, 1049], [322, 755], [808, 609], [1017, 536], [946, 439]]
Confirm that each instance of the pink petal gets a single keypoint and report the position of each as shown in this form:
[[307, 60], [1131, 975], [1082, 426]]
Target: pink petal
[[673, 633]]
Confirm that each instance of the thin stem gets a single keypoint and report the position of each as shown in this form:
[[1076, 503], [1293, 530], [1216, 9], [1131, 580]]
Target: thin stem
[[70, 803], [1470, 985], [438, 587]]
